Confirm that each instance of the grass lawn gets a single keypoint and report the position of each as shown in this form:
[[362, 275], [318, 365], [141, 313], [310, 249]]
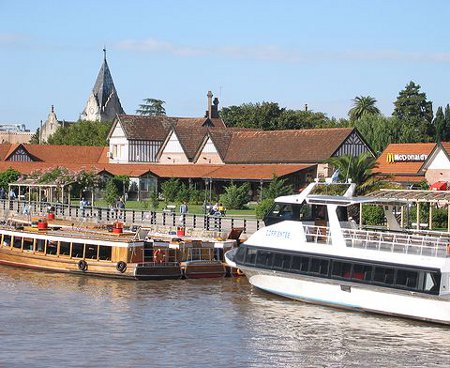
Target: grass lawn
[[193, 209]]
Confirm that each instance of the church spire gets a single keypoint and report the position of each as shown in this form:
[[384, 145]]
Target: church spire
[[103, 104]]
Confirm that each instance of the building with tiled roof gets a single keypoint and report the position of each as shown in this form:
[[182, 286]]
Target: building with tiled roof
[[405, 162]]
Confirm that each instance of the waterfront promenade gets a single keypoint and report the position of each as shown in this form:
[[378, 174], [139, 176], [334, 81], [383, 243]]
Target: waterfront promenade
[[132, 217]]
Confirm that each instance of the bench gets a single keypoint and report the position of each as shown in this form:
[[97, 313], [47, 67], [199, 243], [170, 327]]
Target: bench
[[170, 208]]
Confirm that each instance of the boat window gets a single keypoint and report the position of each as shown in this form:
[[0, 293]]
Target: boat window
[[407, 278], [281, 261], [52, 247], [264, 258], [40, 245], [300, 264], [362, 272], [251, 256], [77, 250], [432, 282], [91, 251], [342, 213], [384, 275], [7, 240], [105, 253], [64, 248], [240, 255], [319, 266], [17, 242], [28, 243], [283, 211], [341, 269], [320, 212]]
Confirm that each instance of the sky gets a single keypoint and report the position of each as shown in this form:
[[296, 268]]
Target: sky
[[322, 53]]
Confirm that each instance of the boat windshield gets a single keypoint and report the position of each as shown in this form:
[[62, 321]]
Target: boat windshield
[[300, 212]]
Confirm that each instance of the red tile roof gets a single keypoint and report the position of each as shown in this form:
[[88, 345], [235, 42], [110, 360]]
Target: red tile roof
[[285, 146], [403, 167]]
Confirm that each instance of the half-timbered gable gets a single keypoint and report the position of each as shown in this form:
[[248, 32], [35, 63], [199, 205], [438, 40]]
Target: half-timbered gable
[[353, 145], [135, 138], [20, 154]]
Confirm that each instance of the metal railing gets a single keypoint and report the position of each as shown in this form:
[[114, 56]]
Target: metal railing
[[131, 216], [432, 246], [401, 242]]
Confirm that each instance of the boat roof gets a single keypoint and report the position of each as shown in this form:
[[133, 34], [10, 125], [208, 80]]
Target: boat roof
[[348, 201]]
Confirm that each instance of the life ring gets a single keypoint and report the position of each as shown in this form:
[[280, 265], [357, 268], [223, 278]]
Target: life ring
[[121, 266], [82, 265], [158, 256]]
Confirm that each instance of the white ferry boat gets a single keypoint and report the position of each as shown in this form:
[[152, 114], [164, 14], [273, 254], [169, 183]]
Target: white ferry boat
[[311, 251]]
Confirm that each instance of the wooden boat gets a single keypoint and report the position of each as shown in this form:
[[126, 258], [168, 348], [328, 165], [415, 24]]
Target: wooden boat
[[55, 245], [198, 256]]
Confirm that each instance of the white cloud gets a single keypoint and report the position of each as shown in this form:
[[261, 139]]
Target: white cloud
[[6, 38], [275, 53]]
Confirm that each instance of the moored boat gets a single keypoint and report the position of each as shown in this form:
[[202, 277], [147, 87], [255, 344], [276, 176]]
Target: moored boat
[[312, 251], [90, 250]]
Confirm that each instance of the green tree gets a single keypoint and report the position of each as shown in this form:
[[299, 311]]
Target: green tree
[[236, 197], [111, 192], [379, 130], [359, 169], [439, 124], [8, 176], [35, 137], [363, 105], [170, 189], [82, 133], [446, 134], [276, 188], [415, 113], [151, 107], [249, 115]]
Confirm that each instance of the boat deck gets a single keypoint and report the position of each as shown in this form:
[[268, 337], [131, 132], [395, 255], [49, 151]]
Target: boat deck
[[389, 241]]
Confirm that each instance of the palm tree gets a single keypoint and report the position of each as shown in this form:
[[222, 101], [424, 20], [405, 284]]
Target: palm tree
[[360, 170], [363, 105]]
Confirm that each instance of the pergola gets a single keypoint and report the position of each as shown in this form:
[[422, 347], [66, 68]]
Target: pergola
[[52, 192], [417, 197]]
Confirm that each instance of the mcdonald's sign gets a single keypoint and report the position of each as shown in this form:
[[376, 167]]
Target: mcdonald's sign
[[399, 157]]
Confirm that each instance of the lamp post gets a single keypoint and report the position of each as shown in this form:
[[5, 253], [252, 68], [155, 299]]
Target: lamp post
[[205, 202]]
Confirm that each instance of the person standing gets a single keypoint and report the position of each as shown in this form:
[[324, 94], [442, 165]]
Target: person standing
[[184, 208]]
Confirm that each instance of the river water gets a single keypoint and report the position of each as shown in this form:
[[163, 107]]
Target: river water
[[58, 320]]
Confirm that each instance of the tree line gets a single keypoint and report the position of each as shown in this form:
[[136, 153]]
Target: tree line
[[412, 120]]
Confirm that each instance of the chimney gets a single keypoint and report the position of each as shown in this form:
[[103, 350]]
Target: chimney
[[215, 109], [210, 96]]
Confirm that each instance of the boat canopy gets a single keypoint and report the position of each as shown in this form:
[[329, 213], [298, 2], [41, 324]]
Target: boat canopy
[[344, 201]]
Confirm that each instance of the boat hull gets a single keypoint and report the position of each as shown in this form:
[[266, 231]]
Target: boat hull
[[352, 296], [52, 263], [203, 269]]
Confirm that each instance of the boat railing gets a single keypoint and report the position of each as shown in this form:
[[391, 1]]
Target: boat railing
[[423, 245], [317, 234]]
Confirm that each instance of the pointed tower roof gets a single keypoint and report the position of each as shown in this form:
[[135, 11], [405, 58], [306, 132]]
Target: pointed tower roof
[[104, 85], [104, 103]]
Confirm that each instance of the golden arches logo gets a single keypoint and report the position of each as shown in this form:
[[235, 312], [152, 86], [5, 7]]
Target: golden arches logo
[[390, 158]]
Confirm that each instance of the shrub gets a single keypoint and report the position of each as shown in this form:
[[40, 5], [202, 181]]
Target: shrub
[[373, 215], [235, 197], [170, 189], [111, 192], [263, 208]]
